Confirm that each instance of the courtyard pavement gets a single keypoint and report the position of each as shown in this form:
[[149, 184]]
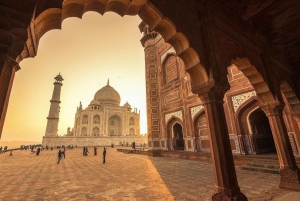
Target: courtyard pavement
[[25, 176]]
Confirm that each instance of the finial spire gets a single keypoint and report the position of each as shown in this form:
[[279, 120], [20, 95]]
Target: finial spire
[[108, 81]]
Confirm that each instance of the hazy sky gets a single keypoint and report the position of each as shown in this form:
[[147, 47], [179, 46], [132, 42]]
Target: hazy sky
[[86, 52]]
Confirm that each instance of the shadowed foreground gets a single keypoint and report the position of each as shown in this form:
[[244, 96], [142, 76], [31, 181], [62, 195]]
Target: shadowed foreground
[[26, 176]]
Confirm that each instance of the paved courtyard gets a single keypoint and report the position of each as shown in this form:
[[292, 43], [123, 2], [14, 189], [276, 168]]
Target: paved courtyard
[[26, 176]]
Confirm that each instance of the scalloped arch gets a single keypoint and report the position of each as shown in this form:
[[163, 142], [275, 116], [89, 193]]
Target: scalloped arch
[[52, 19], [291, 97], [260, 86]]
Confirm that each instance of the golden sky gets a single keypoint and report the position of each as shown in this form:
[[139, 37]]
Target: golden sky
[[86, 52]]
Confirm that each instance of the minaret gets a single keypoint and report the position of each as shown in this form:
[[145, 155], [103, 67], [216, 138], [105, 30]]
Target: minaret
[[53, 117]]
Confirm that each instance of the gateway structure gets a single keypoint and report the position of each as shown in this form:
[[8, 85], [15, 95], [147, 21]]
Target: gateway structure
[[103, 122]]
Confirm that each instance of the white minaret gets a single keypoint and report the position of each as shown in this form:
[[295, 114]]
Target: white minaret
[[53, 117]]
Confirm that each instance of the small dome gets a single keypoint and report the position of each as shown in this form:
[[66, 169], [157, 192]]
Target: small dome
[[108, 95], [95, 102], [127, 105]]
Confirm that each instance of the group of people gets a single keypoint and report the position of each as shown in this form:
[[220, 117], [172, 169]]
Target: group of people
[[61, 154], [85, 152]]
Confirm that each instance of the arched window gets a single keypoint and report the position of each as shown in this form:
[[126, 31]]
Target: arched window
[[85, 119], [96, 131], [131, 131], [96, 119], [131, 121], [84, 131], [112, 123]]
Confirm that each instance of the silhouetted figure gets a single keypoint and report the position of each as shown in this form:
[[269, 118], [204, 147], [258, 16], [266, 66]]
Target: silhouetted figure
[[95, 151], [83, 152], [59, 156], [10, 153], [64, 153], [104, 154], [86, 151], [38, 151]]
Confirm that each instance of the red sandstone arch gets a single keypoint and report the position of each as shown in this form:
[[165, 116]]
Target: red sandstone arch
[[52, 19], [290, 96], [255, 78], [169, 125]]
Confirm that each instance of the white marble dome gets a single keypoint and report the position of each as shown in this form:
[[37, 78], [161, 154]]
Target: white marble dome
[[95, 102], [108, 95], [127, 105]]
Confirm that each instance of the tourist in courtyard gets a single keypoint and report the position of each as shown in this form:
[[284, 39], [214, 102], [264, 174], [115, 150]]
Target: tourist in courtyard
[[59, 156], [10, 153], [104, 154], [95, 151], [86, 151], [64, 152], [38, 151]]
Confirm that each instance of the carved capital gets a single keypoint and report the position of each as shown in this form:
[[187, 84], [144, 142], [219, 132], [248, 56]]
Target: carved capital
[[4, 59], [147, 37], [211, 91], [273, 109], [289, 175]]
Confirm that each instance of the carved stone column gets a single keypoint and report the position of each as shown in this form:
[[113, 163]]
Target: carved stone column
[[8, 67], [289, 172], [149, 41], [296, 117], [226, 185]]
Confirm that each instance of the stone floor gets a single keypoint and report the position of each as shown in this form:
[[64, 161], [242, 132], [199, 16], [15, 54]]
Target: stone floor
[[25, 176]]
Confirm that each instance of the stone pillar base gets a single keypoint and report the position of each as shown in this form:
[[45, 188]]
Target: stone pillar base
[[290, 179], [154, 153], [221, 196]]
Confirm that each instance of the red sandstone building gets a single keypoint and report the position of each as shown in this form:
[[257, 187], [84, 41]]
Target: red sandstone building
[[177, 117], [228, 48]]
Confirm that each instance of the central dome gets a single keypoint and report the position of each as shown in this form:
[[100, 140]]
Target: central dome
[[108, 95]]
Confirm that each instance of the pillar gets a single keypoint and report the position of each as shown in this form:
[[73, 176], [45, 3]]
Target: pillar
[[296, 123], [289, 172], [8, 67], [226, 185], [149, 42]]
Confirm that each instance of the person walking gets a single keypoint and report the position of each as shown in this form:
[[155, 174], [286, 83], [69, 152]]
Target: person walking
[[95, 151], [83, 152], [38, 151], [86, 151], [64, 153], [59, 156], [104, 155], [10, 153]]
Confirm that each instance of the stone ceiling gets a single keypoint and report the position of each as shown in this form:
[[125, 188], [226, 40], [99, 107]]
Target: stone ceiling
[[277, 21]]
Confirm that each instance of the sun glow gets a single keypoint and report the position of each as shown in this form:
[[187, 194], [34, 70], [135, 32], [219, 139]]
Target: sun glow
[[86, 52]]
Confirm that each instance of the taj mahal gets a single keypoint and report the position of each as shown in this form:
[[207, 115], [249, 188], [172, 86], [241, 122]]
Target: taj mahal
[[103, 122]]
